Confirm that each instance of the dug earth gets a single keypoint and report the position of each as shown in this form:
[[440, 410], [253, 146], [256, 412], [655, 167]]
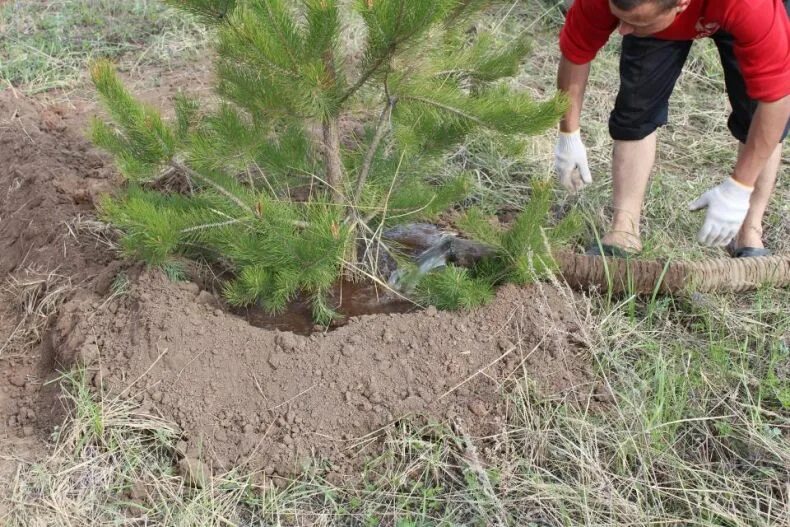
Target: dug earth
[[277, 401], [270, 400]]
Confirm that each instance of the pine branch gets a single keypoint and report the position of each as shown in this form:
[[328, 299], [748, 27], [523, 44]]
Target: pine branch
[[381, 129], [366, 75], [197, 175], [219, 188], [278, 31], [372, 70], [210, 11], [205, 226], [444, 107], [243, 37]]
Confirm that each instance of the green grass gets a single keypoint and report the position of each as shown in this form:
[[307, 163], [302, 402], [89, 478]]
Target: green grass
[[696, 432], [48, 44]]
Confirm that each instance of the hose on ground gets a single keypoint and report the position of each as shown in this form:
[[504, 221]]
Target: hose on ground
[[673, 276]]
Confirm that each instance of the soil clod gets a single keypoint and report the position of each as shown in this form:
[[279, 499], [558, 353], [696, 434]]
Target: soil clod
[[195, 472]]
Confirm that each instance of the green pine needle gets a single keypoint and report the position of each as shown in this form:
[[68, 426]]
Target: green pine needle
[[454, 288], [141, 141], [209, 11]]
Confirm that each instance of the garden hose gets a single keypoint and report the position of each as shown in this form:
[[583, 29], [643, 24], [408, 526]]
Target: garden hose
[[631, 275]]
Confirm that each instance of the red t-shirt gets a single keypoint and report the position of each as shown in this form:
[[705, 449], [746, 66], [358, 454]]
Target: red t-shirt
[[760, 28]]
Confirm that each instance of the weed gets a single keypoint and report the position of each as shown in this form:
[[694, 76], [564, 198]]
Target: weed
[[174, 270], [120, 285]]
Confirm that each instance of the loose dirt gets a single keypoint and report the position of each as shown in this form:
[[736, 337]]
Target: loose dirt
[[49, 176], [275, 400], [271, 399]]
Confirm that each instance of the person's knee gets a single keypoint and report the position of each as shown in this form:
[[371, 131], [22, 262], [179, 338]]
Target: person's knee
[[739, 124]]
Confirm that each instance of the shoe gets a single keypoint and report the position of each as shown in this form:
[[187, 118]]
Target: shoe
[[746, 252], [605, 249]]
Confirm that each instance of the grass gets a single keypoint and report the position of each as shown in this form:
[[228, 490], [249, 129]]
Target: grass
[[47, 44], [696, 431], [37, 296]]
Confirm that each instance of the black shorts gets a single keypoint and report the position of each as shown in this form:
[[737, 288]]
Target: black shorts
[[649, 69]]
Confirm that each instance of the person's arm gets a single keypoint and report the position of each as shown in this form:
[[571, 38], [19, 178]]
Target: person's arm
[[728, 203], [570, 156], [761, 30], [587, 28], [765, 133], [572, 80]]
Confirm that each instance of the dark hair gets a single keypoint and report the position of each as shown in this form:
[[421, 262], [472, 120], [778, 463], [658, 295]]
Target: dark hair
[[627, 5]]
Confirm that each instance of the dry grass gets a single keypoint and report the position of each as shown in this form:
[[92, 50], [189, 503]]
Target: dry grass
[[47, 43], [83, 228], [36, 296]]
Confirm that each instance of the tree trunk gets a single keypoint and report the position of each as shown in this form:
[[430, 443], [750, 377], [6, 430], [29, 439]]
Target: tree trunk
[[332, 161]]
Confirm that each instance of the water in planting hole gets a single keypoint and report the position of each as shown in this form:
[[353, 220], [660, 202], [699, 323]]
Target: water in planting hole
[[350, 299], [428, 245]]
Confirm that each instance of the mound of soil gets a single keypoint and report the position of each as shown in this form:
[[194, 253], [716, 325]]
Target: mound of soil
[[275, 400], [49, 175]]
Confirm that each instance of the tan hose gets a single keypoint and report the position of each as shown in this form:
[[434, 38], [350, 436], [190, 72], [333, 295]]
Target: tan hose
[[647, 276], [615, 274]]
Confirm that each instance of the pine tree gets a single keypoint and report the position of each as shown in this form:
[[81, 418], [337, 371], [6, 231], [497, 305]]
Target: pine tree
[[287, 87]]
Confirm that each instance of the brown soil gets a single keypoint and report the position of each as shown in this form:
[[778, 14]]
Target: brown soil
[[240, 393], [49, 175], [275, 399]]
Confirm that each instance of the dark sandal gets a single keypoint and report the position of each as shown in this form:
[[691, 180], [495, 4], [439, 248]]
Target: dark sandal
[[613, 251], [749, 252]]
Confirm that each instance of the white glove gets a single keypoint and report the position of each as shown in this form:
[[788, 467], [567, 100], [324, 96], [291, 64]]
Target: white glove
[[570, 161], [727, 206]]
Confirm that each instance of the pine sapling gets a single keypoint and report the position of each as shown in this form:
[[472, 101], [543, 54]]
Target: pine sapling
[[311, 150]]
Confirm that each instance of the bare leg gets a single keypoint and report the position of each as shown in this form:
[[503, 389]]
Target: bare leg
[[751, 234], [632, 162]]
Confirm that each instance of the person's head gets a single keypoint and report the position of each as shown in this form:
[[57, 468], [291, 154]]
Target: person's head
[[642, 18]]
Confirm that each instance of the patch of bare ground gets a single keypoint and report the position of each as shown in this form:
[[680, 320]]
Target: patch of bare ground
[[49, 179], [276, 401]]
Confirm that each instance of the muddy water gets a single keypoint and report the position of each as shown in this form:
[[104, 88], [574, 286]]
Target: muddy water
[[427, 244], [349, 299]]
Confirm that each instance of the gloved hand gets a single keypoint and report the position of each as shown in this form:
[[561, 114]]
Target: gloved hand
[[570, 161], [727, 206]]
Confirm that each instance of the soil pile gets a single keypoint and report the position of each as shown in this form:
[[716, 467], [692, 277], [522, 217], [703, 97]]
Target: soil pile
[[275, 400], [49, 175]]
